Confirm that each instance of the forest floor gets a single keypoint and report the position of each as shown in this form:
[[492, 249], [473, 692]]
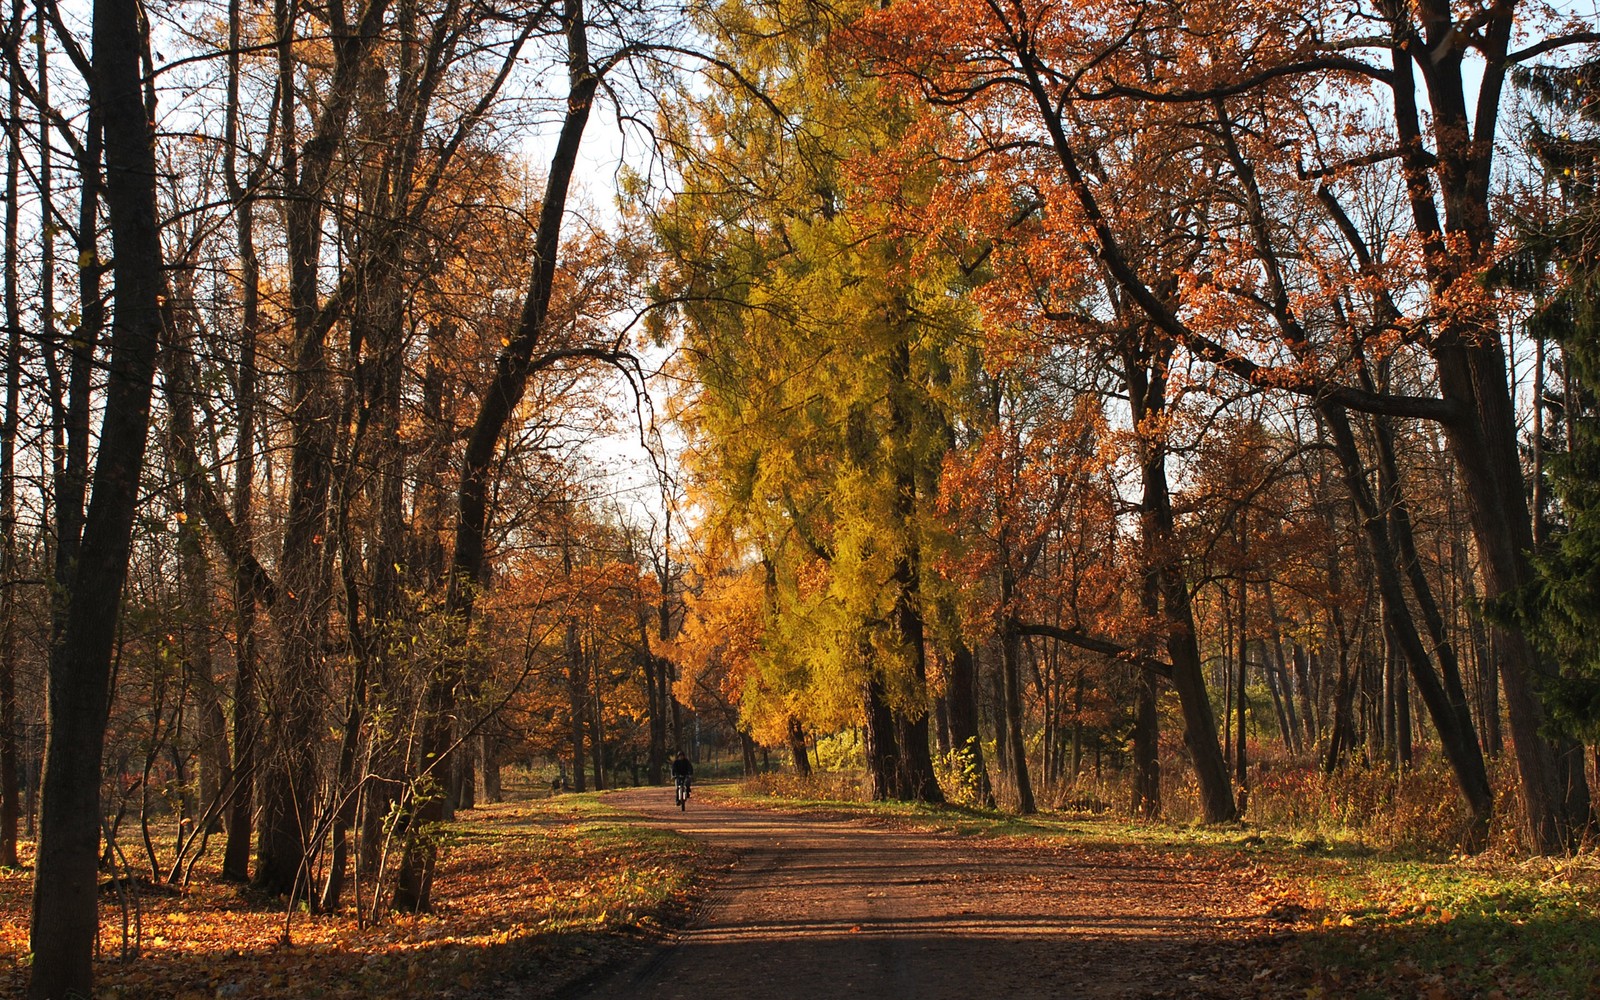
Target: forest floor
[[596, 897]]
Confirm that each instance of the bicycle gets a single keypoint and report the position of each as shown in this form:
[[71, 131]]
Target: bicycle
[[681, 793]]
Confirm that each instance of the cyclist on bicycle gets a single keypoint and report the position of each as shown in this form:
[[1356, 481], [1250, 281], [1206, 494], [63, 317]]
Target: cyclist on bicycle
[[682, 772]]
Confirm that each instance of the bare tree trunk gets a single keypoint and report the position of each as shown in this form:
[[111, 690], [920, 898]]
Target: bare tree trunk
[[499, 400], [194, 570], [577, 704], [246, 717], [1147, 392], [65, 907], [10, 806], [292, 778]]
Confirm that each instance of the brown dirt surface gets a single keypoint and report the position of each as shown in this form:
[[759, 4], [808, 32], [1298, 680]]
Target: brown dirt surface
[[825, 906]]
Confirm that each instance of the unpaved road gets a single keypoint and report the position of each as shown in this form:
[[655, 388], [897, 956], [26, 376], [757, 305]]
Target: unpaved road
[[821, 908]]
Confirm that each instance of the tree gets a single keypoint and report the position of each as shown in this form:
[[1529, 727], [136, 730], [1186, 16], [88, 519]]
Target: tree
[[1560, 603], [1248, 306], [65, 909], [828, 368]]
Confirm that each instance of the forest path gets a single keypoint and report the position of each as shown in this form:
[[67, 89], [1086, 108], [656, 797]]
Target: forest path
[[822, 907]]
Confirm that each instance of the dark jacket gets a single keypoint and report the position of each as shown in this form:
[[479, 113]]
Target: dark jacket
[[681, 768]]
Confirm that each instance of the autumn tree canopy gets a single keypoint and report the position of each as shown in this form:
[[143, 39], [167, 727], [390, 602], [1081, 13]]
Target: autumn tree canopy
[[1042, 403]]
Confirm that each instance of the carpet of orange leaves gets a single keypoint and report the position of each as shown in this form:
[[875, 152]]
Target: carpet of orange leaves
[[529, 898]]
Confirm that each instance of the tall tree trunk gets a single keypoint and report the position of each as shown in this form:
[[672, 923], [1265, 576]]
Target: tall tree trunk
[[1241, 771], [655, 711], [917, 780], [659, 680], [1341, 732], [499, 401], [882, 752], [291, 779], [1146, 381], [246, 717], [1447, 709], [577, 705], [65, 907], [597, 717], [1146, 741], [194, 569], [492, 788], [1471, 368], [10, 806], [1284, 690], [748, 747], [1015, 749]]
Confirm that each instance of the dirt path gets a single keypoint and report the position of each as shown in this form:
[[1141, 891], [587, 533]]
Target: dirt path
[[822, 908]]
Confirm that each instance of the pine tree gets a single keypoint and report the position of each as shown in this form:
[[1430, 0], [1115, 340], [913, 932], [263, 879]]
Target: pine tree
[[1561, 606]]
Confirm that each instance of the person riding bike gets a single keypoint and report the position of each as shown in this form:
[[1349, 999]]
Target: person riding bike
[[682, 772]]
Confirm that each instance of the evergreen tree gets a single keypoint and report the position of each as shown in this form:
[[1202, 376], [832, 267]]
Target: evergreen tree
[[1562, 604]]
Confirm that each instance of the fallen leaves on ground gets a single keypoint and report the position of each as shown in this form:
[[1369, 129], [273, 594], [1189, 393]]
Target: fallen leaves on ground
[[525, 899]]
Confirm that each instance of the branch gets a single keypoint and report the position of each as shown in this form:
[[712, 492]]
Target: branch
[[233, 546], [1553, 43], [1109, 250], [1337, 63], [1370, 159], [1097, 644]]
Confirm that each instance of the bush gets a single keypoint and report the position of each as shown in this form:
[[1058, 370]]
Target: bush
[[843, 751], [960, 776]]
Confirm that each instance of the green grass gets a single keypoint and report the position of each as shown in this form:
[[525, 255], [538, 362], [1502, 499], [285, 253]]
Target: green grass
[[1467, 926]]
